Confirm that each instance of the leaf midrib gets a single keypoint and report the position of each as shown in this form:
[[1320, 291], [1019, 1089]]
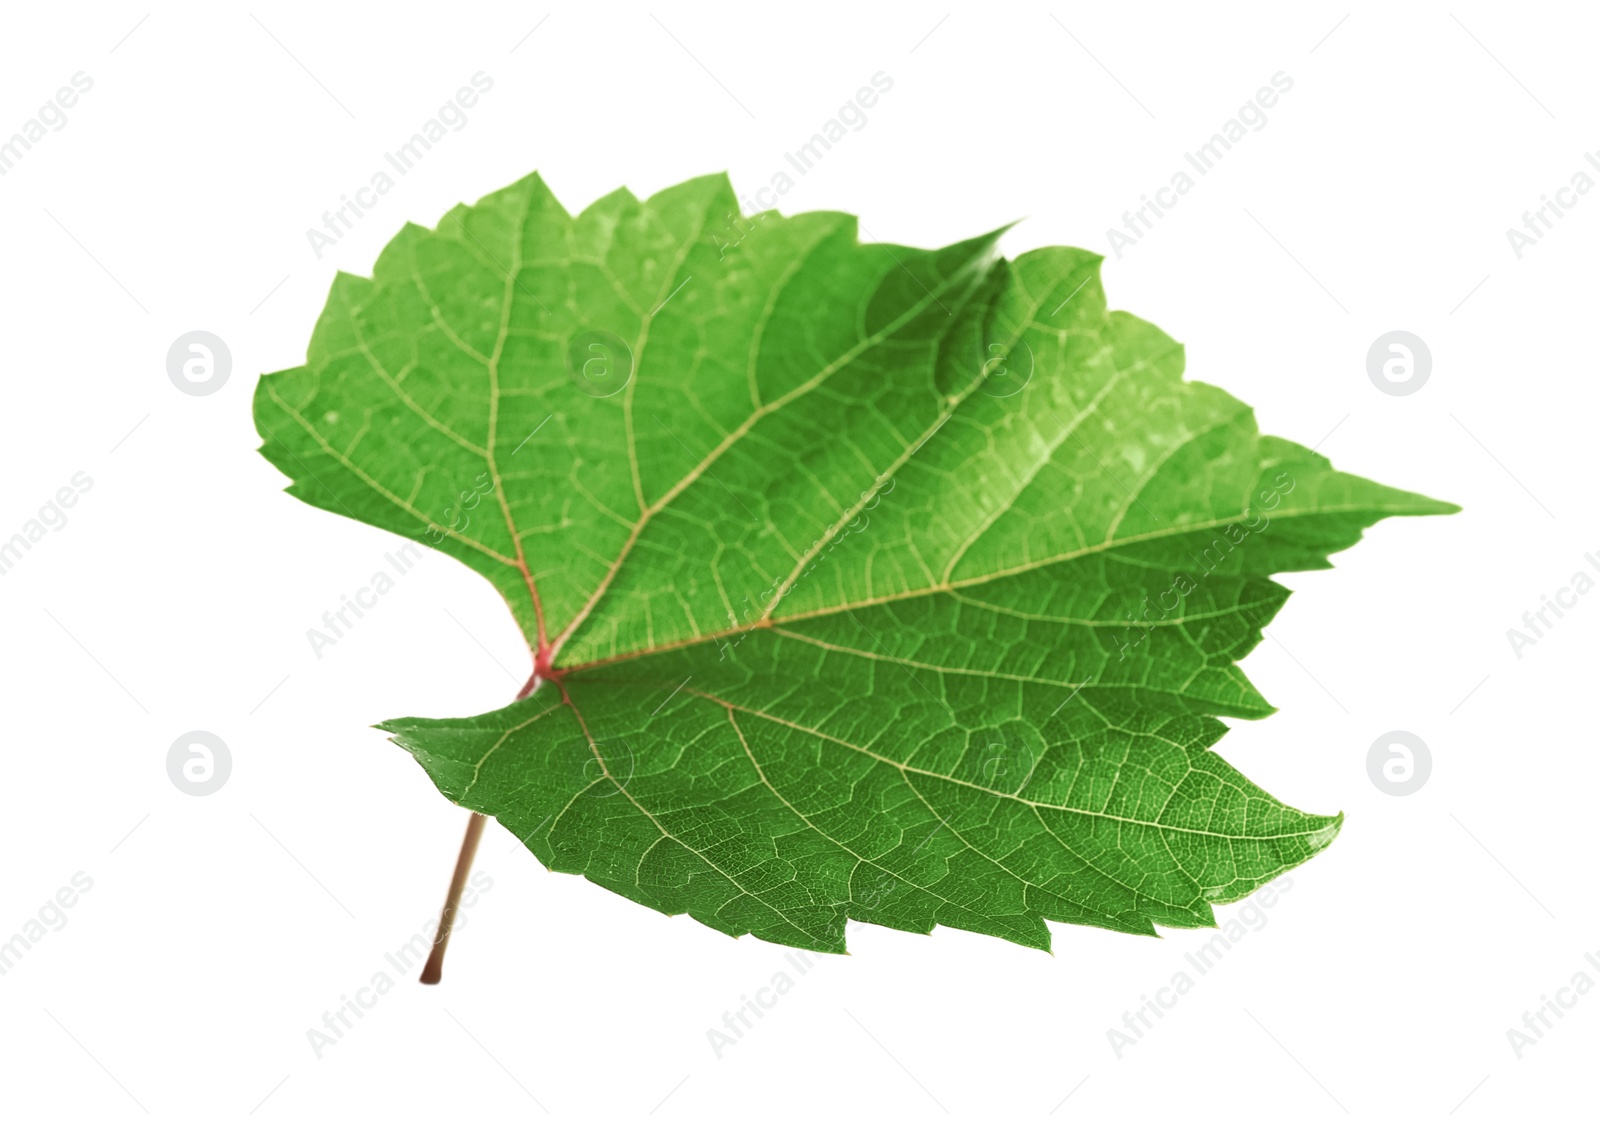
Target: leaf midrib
[[1039, 804], [956, 586]]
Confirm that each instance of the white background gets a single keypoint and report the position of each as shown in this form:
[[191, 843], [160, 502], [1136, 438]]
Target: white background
[[178, 597]]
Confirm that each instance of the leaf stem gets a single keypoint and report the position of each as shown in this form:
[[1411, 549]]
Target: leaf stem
[[469, 847], [434, 969]]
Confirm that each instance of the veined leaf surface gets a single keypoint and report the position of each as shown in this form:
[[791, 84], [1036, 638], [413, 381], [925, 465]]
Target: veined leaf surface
[[860, 581]]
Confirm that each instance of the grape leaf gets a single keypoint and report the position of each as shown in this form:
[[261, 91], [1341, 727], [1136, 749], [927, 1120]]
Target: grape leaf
[[860, 581]]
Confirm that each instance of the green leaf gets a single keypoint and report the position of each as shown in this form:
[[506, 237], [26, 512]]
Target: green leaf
[[861, 581]]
